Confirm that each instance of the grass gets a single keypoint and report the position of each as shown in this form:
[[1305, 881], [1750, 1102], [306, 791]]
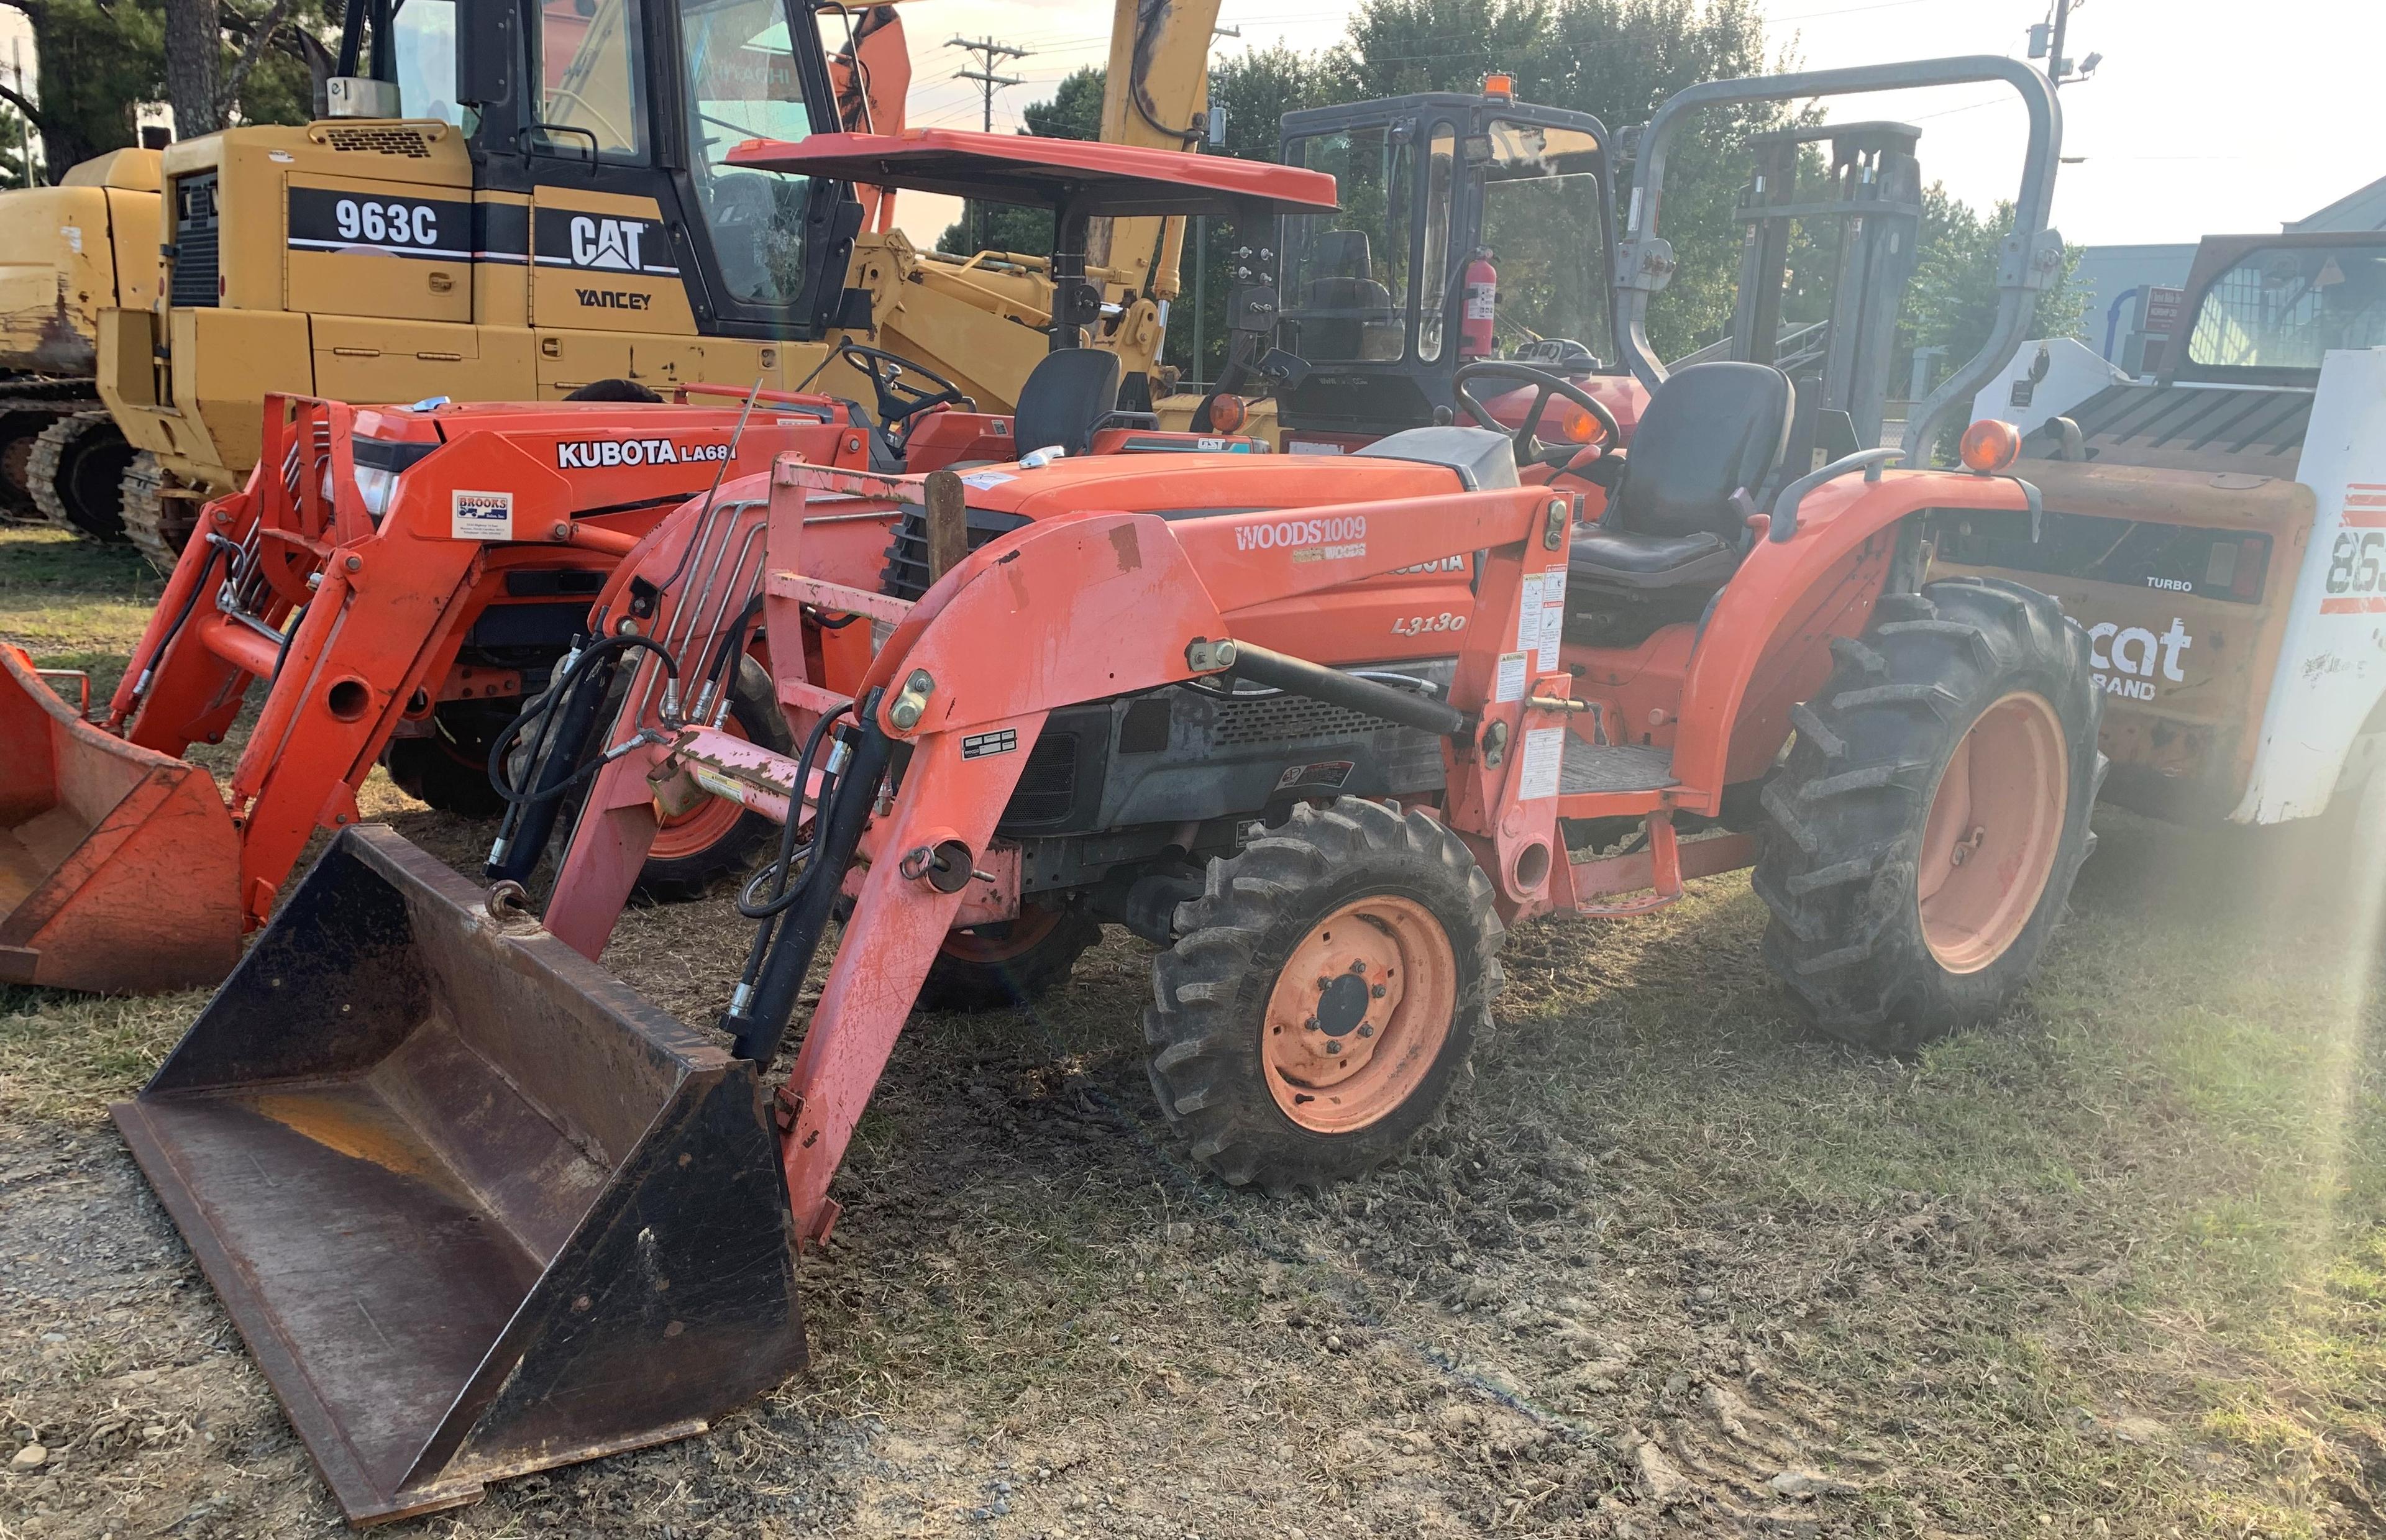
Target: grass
[[2117, 1266]]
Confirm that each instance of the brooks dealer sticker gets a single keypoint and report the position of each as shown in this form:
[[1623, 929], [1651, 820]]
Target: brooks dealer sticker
[[481, 515], [977, 745]]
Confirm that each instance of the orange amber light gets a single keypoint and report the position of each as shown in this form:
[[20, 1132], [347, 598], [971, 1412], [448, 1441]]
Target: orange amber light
[[1228, 413], [1991, 445]]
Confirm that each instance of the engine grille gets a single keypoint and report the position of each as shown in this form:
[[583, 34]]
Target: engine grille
[[905, 576], [1288, 719], [196, 255], [1047, 782], [405, 142]]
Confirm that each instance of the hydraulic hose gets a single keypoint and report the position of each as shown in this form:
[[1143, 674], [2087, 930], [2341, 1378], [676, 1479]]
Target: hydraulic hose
[[758, 1017], [568, 711]]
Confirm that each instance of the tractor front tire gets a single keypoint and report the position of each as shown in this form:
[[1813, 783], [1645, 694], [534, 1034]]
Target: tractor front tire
[[1323, 995], [997, 967], [717, 839], [449, 770], [1921, 841]]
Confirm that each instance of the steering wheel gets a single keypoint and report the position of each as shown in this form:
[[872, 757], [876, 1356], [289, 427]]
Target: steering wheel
[[899, 399], [1529, 446]]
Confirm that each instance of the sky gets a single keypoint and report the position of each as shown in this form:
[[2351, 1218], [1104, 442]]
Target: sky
[[2203, 117]]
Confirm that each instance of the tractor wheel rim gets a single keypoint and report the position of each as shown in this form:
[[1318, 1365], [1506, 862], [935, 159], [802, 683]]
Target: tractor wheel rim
[[702, 826], [1004, 941], [1995, 825], [1360, 1013]]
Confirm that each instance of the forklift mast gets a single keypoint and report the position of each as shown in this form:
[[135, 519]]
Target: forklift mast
[[1841, 364], [1470, 224]]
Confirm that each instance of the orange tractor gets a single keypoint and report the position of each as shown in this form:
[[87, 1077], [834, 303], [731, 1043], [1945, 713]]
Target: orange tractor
[[386, 627], [1121, 705]]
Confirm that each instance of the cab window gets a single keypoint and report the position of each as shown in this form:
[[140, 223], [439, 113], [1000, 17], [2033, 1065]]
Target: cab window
[[742, 85], [2284, 306], [1347, 287], [424, 31], [1543, 221], [592, 71]]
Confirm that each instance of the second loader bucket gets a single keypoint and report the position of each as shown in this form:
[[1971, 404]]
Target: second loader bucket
[[476, 1207], [119, 868]]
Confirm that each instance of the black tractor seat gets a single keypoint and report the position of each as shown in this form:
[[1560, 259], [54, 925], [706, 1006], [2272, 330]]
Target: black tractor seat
[[1678, 499]]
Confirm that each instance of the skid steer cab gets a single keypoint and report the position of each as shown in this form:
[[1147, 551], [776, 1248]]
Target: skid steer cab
[[554, 1191], [396, 578]]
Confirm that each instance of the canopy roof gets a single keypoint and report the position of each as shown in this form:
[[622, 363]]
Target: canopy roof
[[1088, 176]]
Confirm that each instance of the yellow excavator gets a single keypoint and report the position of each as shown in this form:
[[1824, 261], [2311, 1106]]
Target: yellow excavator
[[520, 199], [66, 254]]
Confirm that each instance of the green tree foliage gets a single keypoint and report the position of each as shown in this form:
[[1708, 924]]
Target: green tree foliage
[[95, 64], [1951, 303], [98, 59]]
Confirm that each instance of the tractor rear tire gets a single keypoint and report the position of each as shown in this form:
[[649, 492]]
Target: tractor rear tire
[[720, 839], [997, 967], [1921, 841], [75, 475], [1290, 1058]]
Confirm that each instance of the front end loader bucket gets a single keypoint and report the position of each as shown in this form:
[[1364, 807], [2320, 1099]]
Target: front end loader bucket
[[476, 1207], [120, 868]]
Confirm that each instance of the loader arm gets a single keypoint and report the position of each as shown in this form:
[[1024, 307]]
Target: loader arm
[[1155, 93], [1088, 605]]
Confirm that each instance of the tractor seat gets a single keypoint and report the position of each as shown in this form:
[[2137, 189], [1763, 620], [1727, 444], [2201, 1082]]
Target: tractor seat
[[1068, 395], [1673, 517]]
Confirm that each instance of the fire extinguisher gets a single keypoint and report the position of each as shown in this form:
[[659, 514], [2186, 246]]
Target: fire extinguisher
[[1482, 300]]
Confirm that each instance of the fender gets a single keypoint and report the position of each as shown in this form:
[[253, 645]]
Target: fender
[[1822, 574]]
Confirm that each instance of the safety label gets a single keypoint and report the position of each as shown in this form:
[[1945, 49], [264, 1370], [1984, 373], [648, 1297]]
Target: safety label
[[481, 515], [1544, 758], [1511, 678], [1553, 587]]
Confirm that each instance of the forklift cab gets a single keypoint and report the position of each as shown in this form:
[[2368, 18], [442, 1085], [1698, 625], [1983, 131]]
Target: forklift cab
[[1471, 227]]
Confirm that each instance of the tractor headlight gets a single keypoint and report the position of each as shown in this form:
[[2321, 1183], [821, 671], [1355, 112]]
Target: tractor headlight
[[380, 463]]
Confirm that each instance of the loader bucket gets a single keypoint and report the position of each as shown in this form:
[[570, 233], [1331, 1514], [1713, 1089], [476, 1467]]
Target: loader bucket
[[119, 868], [477, 1209]]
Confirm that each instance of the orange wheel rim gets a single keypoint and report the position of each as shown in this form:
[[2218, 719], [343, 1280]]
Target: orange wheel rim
[[1995, 824], [1004, 941], [1360, 1014], [702, 826]]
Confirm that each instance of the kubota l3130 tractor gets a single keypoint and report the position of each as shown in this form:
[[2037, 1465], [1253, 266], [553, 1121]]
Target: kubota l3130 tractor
[[550, 1191]]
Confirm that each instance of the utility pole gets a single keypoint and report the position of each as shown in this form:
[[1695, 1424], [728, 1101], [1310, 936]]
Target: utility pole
[[987, 54], [2046, 42]]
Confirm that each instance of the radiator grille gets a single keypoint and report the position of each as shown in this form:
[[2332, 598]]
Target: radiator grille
[[195, 260]]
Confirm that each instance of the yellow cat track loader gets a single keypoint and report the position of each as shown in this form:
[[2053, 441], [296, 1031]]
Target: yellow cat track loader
[[66, 254], [513, 199]]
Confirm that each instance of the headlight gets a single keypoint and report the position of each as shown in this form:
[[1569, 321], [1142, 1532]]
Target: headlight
[[380, 462], [374, 486]]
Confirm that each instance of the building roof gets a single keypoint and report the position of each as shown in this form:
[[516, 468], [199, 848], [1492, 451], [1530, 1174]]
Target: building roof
[[2364, 208]]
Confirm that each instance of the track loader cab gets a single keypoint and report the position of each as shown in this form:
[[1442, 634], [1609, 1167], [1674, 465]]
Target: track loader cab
[[511, 199], [1471, 227], [2218, 528]]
